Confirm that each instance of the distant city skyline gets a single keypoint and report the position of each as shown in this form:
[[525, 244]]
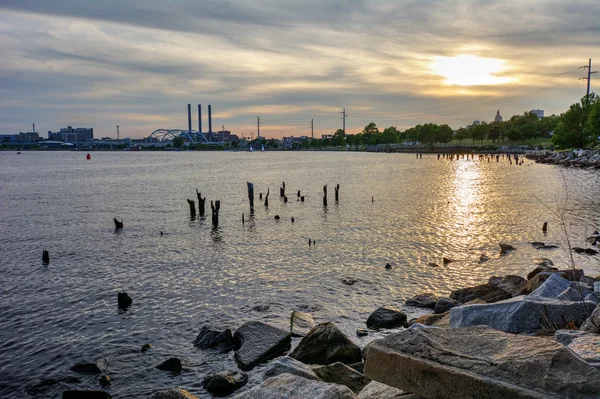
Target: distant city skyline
[[396, 63]]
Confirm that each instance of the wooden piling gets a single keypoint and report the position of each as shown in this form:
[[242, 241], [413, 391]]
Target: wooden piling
[[282, 190], [118, 225], [337, 193], [545, 227], [201, 203], [267, 198], [325, 195], [45, 257], [302, 199], [192, 208], [251, 195], [215, 213]]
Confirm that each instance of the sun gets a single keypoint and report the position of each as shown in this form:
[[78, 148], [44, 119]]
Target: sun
[[470, 70]]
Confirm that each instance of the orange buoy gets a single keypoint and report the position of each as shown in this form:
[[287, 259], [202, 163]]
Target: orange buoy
[[88, 157]]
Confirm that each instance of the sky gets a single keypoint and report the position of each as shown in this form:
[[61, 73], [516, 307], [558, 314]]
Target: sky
[[138, 63]]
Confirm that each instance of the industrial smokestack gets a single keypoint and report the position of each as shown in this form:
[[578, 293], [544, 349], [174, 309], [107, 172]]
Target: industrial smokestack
[[199, 118], [189, 118], [209, 120], [34, 127]]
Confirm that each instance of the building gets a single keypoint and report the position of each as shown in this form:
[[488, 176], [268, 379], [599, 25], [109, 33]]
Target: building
[[70, 134], [28, 137], [222, 136], [538, 112], [498, 117], [326, 136]]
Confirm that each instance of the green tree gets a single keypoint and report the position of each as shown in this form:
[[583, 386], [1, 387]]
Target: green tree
[[325, 143], [371, 134], [339, 138], [315, 143], [479, 132], [177, 142], [444, 134], [576, 128], [495, 131], [461, 134], [389, 135]]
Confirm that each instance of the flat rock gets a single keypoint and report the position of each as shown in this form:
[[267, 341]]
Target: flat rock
[[377, 390], [326, 344], [74, 394], [97, 367], [175, 393], [506, 247], [386, 318], [445, 304], [301, 323], [225, 382], [552, 287], [258, 342], [485, 292], [214, 339], [423, 301], [286, 364], [565, 337], [514, 285], [592, 324], [292, 386], [588, 348], [522, 314], [539, 269], [339, 373], [479, 362], [430, 319], [173, 364]]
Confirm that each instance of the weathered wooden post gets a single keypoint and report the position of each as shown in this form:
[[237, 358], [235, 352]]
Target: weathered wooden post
[[282, 190], [260, 196], [45, 257], [325, 195], [545, 227], [285, 200], [298, 195], [215, 213], [192, 208], [201, 202], [243, 219], [337, 193], [118, 225], [267, 198], [302, 199], [251, 195]]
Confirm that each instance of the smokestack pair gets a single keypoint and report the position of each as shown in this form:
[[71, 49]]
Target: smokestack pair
[[199, 118]]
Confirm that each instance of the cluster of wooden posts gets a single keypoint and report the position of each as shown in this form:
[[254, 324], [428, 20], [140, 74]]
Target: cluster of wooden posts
[[214, 206]]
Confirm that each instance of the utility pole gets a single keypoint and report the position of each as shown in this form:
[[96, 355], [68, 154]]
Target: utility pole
[[312, 128], [344, 116], [118, 133], [589, 76], [258, 125]]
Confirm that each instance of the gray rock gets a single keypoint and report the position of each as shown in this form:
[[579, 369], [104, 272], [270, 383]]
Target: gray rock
[[105, 380], [504, 248], [479, 362], [485, 292], [423, 301], [543, 262], [577, 291], [521, 314], [552, 287], [213, 339], [292, 386], [597, 286], [173, 364], [258, 342], [97, 367], [592, 324], [377, 390], [74, 394], [224, 383], [541, 268], [386, 318], [565, 337], [339, 373], [445, 304], [514, 285], [301, 323], [286, 364], [588, 348], [175, 393], [326, 344], [593, 297]]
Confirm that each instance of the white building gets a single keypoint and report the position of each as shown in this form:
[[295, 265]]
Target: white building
[[538, 112]]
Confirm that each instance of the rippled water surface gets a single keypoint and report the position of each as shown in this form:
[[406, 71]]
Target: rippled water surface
[[52, 317]]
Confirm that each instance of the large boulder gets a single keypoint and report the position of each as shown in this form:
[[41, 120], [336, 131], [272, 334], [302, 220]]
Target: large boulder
[[224, 383], [377, 390], [339, 373], [74, 394], [326, 344], [588, 348], [214, 339], [445, 304], [258, 342], [514, 285], [301, 323], [592, 324], [522, 314], [552, 287], [286, 364], [485, 292], [292, 386], [175, 393], [479, 362], [565, 337], [386, 318], [577, 291], [423, 301]]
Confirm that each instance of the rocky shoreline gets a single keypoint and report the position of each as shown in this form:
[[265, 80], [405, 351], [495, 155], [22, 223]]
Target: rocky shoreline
[[574, 158], [520, 337]]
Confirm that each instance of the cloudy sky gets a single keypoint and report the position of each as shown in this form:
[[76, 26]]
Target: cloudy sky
[[138, 63]]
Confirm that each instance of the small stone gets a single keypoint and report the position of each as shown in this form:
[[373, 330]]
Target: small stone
[[504, 248], [173, 364], [447, 260], [261, 308], [386, 318], [361, 332], [286, 364], [214, 339], [301, 323], [388, 266], [124, 300], [97, 367], [225, 382], [431, 264], [145, 347], [105, 381], [445, 304], [277, 217], [348, 281], [483, 258]]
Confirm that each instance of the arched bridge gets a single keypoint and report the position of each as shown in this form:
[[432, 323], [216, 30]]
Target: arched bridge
[[169, 134]]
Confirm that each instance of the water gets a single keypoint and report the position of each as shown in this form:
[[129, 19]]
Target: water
[[52, 317]]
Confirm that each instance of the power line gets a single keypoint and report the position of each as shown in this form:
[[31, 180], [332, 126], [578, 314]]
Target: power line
[[589, 76]]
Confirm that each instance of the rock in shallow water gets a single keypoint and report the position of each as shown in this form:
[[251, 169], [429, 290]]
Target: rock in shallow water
[[339, 373], [326, 344], [423, 301], [175, 393], [514, 285], [214, 339], [445, 304], [301, 323], [479, 362], [485, 292], [97, 367], [258, 342], [552, 287], [73, 394], [173, 364], [225, 382], [386, 318], [292, 386], [286, 364]]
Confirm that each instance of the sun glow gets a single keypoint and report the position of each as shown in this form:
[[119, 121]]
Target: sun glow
[[470, 70]]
